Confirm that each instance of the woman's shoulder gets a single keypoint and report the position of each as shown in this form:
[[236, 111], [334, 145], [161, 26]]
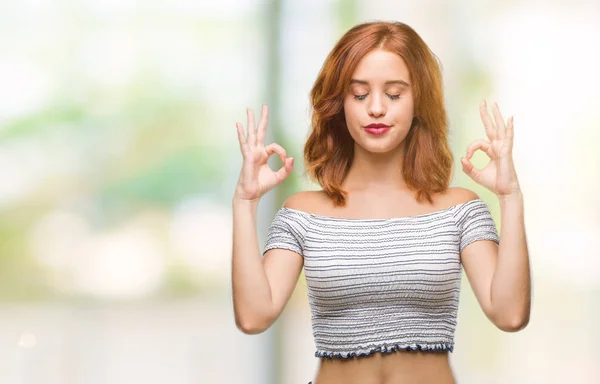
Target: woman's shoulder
[[457, 195], [306, 201], [466, 206]]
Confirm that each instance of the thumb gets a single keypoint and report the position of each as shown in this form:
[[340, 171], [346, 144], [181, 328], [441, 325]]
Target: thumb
[[469, 169], [288, 167], [289, 163]]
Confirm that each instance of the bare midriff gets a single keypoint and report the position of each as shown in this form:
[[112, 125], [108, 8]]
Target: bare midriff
[[401, 367]]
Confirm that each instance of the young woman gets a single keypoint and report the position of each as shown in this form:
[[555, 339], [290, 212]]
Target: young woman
[[384, 242]]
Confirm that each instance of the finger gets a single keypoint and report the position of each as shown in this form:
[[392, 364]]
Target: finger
[[278, 149], [510, 129], [500, 126], [469, 169], [251, 127], [241, 137], [261, 133], [507, 143], [490, 130], [484, 145], [283, 172]]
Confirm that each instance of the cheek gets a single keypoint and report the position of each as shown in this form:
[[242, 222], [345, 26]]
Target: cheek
[[406, 110], [350, 112]]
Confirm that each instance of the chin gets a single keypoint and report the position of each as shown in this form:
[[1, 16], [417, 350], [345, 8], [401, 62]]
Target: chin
[[379, 149]]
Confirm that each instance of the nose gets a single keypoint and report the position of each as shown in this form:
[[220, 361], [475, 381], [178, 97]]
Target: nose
[[376, 107]]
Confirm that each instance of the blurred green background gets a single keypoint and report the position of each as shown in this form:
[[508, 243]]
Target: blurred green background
[[119, 158]]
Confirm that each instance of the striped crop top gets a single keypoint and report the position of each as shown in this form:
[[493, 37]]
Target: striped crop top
[[381, 285]]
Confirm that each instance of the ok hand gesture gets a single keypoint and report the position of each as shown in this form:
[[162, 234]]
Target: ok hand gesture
[[499, 176], [256, 177]]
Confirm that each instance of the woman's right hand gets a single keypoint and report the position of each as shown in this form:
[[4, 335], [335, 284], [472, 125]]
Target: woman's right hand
[[257, 178]]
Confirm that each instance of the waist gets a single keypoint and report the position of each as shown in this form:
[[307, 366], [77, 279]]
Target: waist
[[397, 367]]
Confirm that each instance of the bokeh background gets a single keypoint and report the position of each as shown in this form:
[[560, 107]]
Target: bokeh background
[[119, 158]]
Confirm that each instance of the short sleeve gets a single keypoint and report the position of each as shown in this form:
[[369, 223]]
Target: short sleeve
[[475, 222], [287, 231]]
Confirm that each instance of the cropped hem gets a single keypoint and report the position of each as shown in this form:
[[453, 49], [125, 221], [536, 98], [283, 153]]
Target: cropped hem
[[484, 236], [362, 352], [282, 246]]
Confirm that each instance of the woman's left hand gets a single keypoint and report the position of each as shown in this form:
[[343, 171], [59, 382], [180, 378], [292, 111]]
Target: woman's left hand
[[499, 175]]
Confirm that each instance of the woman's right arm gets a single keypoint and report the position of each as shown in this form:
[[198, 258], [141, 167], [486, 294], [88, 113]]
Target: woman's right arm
[[261, 286]]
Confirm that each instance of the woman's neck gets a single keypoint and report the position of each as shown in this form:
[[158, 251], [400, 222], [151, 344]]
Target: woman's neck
[[375, 171]]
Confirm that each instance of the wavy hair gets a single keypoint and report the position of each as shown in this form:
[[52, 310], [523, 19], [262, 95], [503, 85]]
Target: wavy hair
[[329, 149]]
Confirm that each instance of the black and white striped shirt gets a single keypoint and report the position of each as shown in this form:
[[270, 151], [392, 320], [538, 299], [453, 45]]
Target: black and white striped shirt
[[380, 285]]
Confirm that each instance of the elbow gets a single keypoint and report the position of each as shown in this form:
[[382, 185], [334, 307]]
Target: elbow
[[251, 326], [513, 324]]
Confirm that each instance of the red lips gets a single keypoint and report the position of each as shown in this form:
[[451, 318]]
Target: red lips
[[377, 125], [377, 129]]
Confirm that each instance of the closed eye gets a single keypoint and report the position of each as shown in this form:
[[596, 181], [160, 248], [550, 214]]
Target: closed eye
[[362, 97]]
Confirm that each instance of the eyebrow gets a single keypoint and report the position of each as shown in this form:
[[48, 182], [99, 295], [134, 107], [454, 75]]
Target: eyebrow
[[364, 82]]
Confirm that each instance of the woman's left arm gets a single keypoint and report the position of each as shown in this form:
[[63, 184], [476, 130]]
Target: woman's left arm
[[511, 282], [500, 275]]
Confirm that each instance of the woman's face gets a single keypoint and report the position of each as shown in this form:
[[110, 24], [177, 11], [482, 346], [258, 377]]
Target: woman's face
[[379, 104]]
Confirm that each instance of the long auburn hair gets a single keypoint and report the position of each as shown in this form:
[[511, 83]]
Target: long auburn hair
[[329, 149]]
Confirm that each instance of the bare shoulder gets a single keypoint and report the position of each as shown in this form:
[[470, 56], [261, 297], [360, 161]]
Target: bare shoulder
[[458, 195], [307, 201]]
